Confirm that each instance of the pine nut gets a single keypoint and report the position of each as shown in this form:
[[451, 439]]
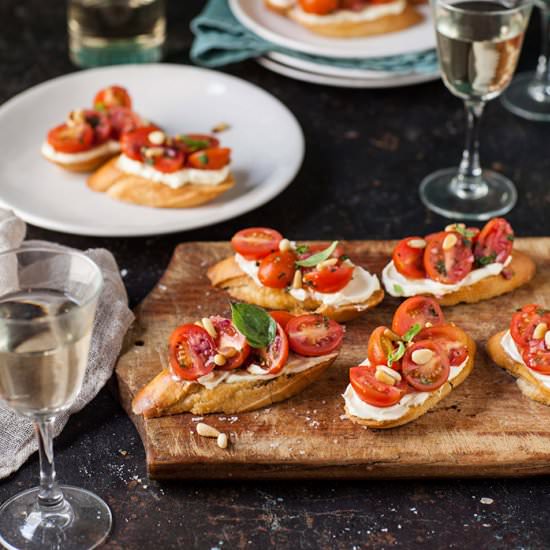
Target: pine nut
[[327, 263], [540, 331], [383, 373], [284, 245], [422, 356], [151, 152], [198, 323], [427, 324], [381, 376], [228, 352], [297, 281], [417, 243], [221, 127], [206, 430], [454, 226], [449, 241], [547, 340], [222, 441], [209, 327], [156, 137], [220, 359]]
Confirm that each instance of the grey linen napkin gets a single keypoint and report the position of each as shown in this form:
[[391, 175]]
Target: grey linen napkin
[[112, 320]]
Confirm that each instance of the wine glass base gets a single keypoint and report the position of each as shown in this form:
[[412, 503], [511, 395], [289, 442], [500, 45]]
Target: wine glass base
[[81, 522], [518, 99], [437, 193]]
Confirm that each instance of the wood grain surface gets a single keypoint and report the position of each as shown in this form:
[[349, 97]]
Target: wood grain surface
[[483, 428]]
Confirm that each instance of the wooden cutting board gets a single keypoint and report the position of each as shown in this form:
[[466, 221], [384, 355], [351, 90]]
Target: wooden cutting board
[[484, 428]]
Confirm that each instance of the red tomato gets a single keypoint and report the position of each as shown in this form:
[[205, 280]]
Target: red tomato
[[274, 357], [71, 139], [381, 344], [417, 310], [353, 5], [112, 96], [409, 261], [277, 269], [495, 242], [371, 390], [171, 160], [100, 124], [432, 374], [314, 335], [329, 279], [210, 159], [447, 266], [450, 339], [281, 317], [191, 352], [230, 342], [255, 243], [133, 142], [319, 7], [123, 120], [524, 322], [537, 356], [190, 143]]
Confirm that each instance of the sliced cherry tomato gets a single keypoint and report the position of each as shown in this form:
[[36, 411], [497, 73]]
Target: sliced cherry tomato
[[329, 279], [448, 266], [281, 317], [417, 310], [319, 7], [191, 143], [123, 120], [409, 261], [277, 269], [132, 143], [230, 342], [524, 322], [450, 339], [372, 391], [381, 344], [112, 96], [210, 159], [71, 139], [430, 375], [171, 160], [100, 124], [274, 357], [495, 242], [192, 352], [314, 335], [537, 356], [255, 243]]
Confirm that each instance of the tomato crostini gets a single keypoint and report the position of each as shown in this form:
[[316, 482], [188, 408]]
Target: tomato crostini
[[160, 171], [410, 367], [524, 351], [459, 264], [273, 272], [89, 137], [348, 18], [240, 364]]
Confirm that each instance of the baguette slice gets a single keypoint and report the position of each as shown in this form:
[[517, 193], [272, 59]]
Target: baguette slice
[[137, 190], [228, 275], [164, 396], [527, 383], [416, 411], [83, 166]]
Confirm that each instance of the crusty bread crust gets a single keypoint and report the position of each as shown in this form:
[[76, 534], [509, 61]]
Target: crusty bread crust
[[228, 275], [527, 383], [430, 403], [83, 166], [137, 190], [523, 269], [164, 396]]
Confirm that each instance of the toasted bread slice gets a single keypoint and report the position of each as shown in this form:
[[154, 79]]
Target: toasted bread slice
[[416, 411], [164, 396], [228, 275], [527, 383], [124, 187], [83, 166]]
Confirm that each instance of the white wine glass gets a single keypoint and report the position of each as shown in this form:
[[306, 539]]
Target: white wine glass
[[48, 298], [528, 95], [478, 45]]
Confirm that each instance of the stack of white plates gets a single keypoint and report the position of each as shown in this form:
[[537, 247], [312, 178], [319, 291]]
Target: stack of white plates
[[288, 34]]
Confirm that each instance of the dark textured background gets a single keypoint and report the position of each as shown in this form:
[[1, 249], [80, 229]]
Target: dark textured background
[[366, 153]]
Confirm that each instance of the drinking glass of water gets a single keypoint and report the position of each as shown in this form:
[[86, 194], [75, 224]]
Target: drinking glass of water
[[48, 299], [111, 32], [478, 44]]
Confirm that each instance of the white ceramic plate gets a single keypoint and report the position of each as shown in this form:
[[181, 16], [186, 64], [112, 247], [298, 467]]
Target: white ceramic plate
[[287, 33], [317, 78], [267, 143]]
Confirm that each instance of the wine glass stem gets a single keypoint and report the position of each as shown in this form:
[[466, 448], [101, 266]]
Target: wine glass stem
[[50, 495], [540, 88], [468, 184]]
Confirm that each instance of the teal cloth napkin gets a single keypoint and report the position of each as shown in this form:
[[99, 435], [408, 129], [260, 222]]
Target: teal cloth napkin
[[220, 40]]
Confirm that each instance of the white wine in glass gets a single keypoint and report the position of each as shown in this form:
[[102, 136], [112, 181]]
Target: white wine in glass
[[478, 43]]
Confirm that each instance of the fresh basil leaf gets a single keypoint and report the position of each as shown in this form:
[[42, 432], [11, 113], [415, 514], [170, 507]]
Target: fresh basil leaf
[[302, 249], [399, 289], [486, 260], [193, 144], [510, 237], [315, 259], [464, 232], [396, 354], [412, 332], [254, 323]]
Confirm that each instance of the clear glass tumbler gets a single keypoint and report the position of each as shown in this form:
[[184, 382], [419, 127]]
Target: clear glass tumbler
[[48, 299]]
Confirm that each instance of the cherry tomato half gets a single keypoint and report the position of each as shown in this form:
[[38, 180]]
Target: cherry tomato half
[[381, 344], [319, 7], [450, 339], [171, 160], [112, 96], [277, 269], [314, 335], [191, 352], [255, 243], [190, 143], [409, 261], [451, 265], [230, 342], [210, 159], [524, 322], [329, 279], [71, 139], [495, 242], [282, 317], [372, 391], [123, 120], [430, 375], [133, 142], [417, 310], [274, 357]]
